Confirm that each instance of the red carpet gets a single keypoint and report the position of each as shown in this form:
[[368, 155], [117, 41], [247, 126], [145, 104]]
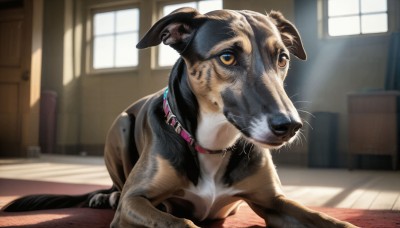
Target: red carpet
[[86, 217]]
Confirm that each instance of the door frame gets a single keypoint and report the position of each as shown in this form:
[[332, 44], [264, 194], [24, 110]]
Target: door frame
[[29, 92], [31, 113]]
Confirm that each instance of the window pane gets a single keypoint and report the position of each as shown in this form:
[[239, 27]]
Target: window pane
[[104, 23], [343, 7], [344, 26], [126, 52], [211, 5], [103, 56], [167, 56], [127, 20], [169, 8], [370, 6], [374, 23]]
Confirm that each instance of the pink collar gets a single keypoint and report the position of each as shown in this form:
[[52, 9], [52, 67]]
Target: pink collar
[[173, 121]]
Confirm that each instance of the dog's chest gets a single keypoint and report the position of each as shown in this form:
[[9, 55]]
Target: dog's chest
[[211, 198]]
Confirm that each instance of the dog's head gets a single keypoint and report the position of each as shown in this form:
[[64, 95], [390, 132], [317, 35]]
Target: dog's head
[[237, 62]]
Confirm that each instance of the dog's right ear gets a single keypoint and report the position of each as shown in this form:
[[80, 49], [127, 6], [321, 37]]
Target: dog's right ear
[[175, 29]]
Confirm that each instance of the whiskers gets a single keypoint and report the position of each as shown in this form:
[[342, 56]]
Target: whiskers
[[305, 113], [296, 141], [246, 144], [299, 138], [306, 122]]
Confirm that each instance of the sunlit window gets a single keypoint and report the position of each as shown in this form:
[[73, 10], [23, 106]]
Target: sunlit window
[[352, 17], [168, 56], [115, 34]]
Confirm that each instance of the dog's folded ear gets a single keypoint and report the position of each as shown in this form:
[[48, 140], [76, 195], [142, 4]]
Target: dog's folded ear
[[290, 35], [175, 29]]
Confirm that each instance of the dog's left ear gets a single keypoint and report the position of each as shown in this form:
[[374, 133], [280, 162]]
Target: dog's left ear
[[290, 35], [175, 29]]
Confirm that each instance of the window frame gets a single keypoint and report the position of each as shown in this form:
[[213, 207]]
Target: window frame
[[159, 14], [91, 37], [325, 22]]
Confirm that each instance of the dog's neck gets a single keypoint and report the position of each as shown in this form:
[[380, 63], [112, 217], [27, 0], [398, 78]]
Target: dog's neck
[[212, 131]]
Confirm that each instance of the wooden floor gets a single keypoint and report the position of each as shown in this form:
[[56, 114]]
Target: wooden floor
[[361, 189]]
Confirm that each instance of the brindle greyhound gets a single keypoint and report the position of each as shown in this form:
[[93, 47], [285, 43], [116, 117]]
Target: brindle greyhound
[[198, 148]]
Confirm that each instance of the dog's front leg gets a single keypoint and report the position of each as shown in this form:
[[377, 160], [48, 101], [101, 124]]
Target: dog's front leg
[[263, 192], [306, 216], [283, 212], [136, 211], [150, 184]]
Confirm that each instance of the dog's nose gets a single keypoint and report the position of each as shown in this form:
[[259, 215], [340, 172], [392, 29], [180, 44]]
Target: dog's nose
[[284, 127]]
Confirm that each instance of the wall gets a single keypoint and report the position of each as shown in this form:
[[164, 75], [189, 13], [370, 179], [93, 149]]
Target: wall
[[58, 71], [263, 6]]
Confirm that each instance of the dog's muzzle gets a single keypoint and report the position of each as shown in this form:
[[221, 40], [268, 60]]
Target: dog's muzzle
[[263, 121], [273, 131]]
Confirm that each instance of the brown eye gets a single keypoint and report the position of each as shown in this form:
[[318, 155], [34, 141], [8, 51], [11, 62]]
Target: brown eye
[[227, 59], [283, 60]]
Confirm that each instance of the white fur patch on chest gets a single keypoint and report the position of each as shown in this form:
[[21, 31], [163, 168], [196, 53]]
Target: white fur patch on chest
[[214, 132], [211, 198]]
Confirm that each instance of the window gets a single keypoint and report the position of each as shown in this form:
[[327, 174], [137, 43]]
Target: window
[[167, 56], [115, 34], [352, 17]]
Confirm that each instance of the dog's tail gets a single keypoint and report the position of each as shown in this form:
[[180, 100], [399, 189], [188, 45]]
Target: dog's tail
[[49, 201]]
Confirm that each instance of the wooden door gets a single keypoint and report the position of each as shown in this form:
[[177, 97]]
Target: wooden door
[[15, 77]]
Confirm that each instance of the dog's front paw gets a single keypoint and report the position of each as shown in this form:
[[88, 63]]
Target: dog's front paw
[[99, 200], [189, 224]]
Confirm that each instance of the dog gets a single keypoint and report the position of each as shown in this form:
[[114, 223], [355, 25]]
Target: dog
[[198, 148]]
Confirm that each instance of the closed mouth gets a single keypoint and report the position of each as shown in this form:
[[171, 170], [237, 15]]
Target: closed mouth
[[272, 144]]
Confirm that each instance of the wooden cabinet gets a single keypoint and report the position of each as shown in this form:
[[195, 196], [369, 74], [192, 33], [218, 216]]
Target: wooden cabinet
[[374, 124]]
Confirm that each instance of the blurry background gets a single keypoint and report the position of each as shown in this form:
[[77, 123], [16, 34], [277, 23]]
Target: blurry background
[[69, 67]]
